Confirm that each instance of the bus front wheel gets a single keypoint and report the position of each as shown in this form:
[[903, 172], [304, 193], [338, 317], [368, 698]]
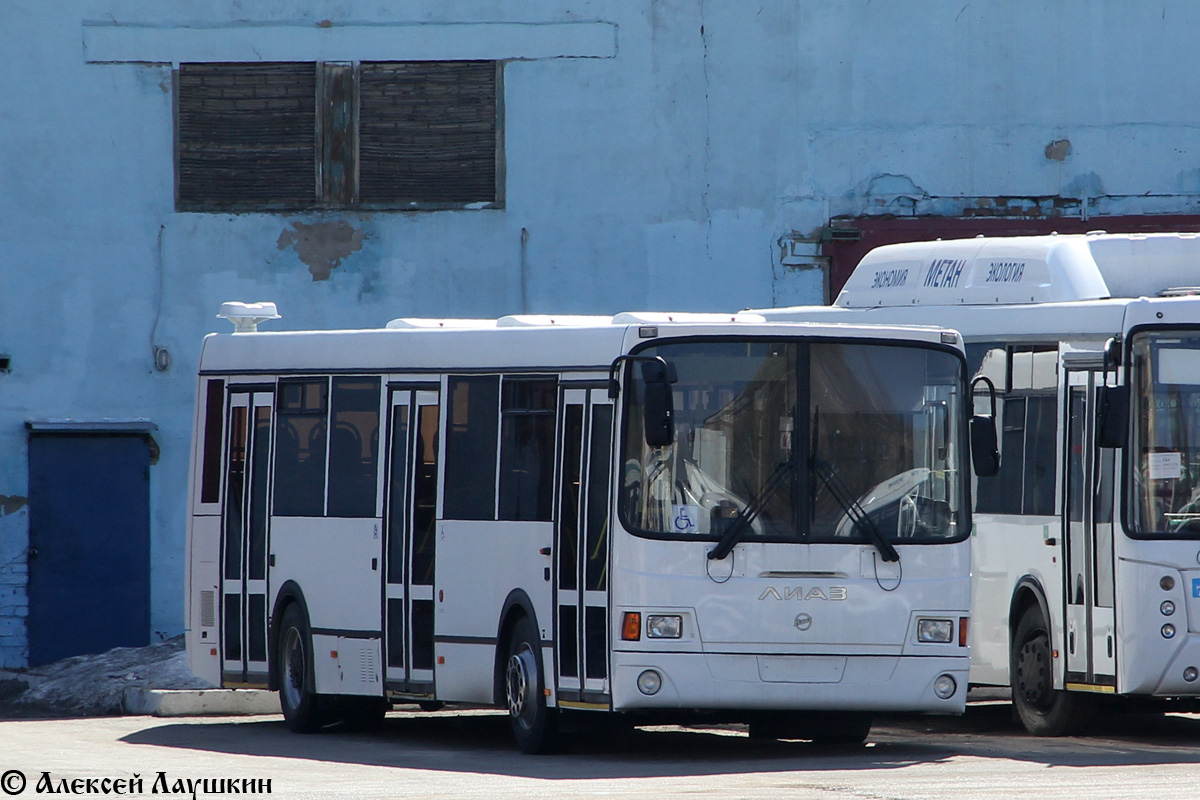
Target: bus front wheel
[[299, 702], [1042, 709], [533, 724]]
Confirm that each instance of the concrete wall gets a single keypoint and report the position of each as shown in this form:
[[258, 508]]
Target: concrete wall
[[660, 154]]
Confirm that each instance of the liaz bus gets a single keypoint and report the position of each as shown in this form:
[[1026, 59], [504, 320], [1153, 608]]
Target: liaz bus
[[641, 517], [1086, 581]]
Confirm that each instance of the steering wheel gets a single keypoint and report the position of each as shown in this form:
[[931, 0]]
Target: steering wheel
[[909, 516]]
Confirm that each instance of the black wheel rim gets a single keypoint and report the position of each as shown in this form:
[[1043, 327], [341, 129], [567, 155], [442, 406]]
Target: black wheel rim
[[292, 682], [520, 686], [1033, 671]]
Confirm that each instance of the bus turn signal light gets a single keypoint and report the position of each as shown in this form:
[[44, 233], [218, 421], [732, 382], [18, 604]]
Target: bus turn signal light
[[631, 626]]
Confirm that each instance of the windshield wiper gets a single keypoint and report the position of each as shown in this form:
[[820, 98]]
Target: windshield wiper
[[853, 509], [858, 515], [734, 533]]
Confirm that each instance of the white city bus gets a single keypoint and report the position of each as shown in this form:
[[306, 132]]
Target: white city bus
[[770, 519], [1086, 579]]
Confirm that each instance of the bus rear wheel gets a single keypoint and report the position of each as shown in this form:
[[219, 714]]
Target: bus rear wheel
[[1042, 709], [300, 704], [534, 725]]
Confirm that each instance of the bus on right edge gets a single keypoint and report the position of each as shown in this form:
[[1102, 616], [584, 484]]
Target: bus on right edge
[[1086, 547]]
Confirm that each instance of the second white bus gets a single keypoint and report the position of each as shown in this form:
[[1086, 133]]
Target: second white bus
[[1087, 545]]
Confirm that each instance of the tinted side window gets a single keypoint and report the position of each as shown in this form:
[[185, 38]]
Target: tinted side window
[[353, 447], [300, 443], [1041, 433], [527, 449], [471, 441], [214, 415], [1001, 494], [1026, 374]]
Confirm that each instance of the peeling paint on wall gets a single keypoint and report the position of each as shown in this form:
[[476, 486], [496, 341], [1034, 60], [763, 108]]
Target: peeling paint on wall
[[322, 245], [1058, 150]]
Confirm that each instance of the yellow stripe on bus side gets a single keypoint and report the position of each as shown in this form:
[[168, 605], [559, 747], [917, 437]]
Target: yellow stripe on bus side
[[587, 706], [1090, 687]]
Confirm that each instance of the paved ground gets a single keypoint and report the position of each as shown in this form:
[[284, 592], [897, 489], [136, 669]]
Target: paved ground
[[469, 754]]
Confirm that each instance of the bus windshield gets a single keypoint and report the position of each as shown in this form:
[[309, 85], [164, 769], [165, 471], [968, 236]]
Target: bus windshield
[[1165, 374], [802, 438]]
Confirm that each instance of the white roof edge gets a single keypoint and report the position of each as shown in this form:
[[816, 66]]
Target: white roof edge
[[577, 320], [432, 323], [539, 320], [691, 317]]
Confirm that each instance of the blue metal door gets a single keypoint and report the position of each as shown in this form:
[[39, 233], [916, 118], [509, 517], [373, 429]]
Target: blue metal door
[[89, 537]]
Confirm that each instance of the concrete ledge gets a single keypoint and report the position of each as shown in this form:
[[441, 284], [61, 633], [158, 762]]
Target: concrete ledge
[[199, 702], [167, 42]]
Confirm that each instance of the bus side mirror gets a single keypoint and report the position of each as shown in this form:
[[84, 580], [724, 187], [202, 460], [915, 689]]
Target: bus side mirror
[[658, 404], [985, 444], [985, 449], [1112, 416]]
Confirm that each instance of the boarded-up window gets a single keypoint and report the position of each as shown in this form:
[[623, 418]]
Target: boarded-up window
[[427, 132], [246, 135], [278, 136]]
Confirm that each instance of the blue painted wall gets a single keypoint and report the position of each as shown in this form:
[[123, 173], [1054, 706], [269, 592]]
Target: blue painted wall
[[660, 153]]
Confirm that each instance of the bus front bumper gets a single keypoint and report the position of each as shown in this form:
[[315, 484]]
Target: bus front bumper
[[793, 682]]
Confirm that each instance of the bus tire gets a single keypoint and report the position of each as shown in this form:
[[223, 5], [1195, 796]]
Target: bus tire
[[297, 698], [534, 725], [1042, 709]]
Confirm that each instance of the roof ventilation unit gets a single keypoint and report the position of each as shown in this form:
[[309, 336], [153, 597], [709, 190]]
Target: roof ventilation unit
[[246, 316]]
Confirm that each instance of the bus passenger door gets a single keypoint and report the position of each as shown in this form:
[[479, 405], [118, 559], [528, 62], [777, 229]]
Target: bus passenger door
[[1088, 546], [410, 513], [244, 538], [582, 544]]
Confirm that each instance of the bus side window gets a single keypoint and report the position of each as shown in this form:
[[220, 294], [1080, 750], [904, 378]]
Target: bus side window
[[527, 448], [1001, 493], [1041, 439], [353, 447], [300, 441], [1029, 375], [471, 443], [214, 417]]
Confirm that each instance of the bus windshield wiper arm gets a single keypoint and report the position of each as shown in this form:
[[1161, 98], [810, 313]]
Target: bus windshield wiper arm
[[853, 509], [742, 524]]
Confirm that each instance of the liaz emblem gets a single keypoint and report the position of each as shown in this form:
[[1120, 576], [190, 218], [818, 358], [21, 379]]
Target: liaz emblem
[[798, 593]]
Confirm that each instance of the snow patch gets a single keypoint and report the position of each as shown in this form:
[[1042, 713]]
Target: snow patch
[[94, 685]]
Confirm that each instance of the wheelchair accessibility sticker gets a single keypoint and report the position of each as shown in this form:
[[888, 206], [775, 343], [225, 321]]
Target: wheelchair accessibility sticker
[[1195, 587], [685, 518]]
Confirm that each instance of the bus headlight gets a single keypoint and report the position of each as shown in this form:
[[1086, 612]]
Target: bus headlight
[[1167, 608], [1168, 631], [935, 630], [944, 686], [664, 626]]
